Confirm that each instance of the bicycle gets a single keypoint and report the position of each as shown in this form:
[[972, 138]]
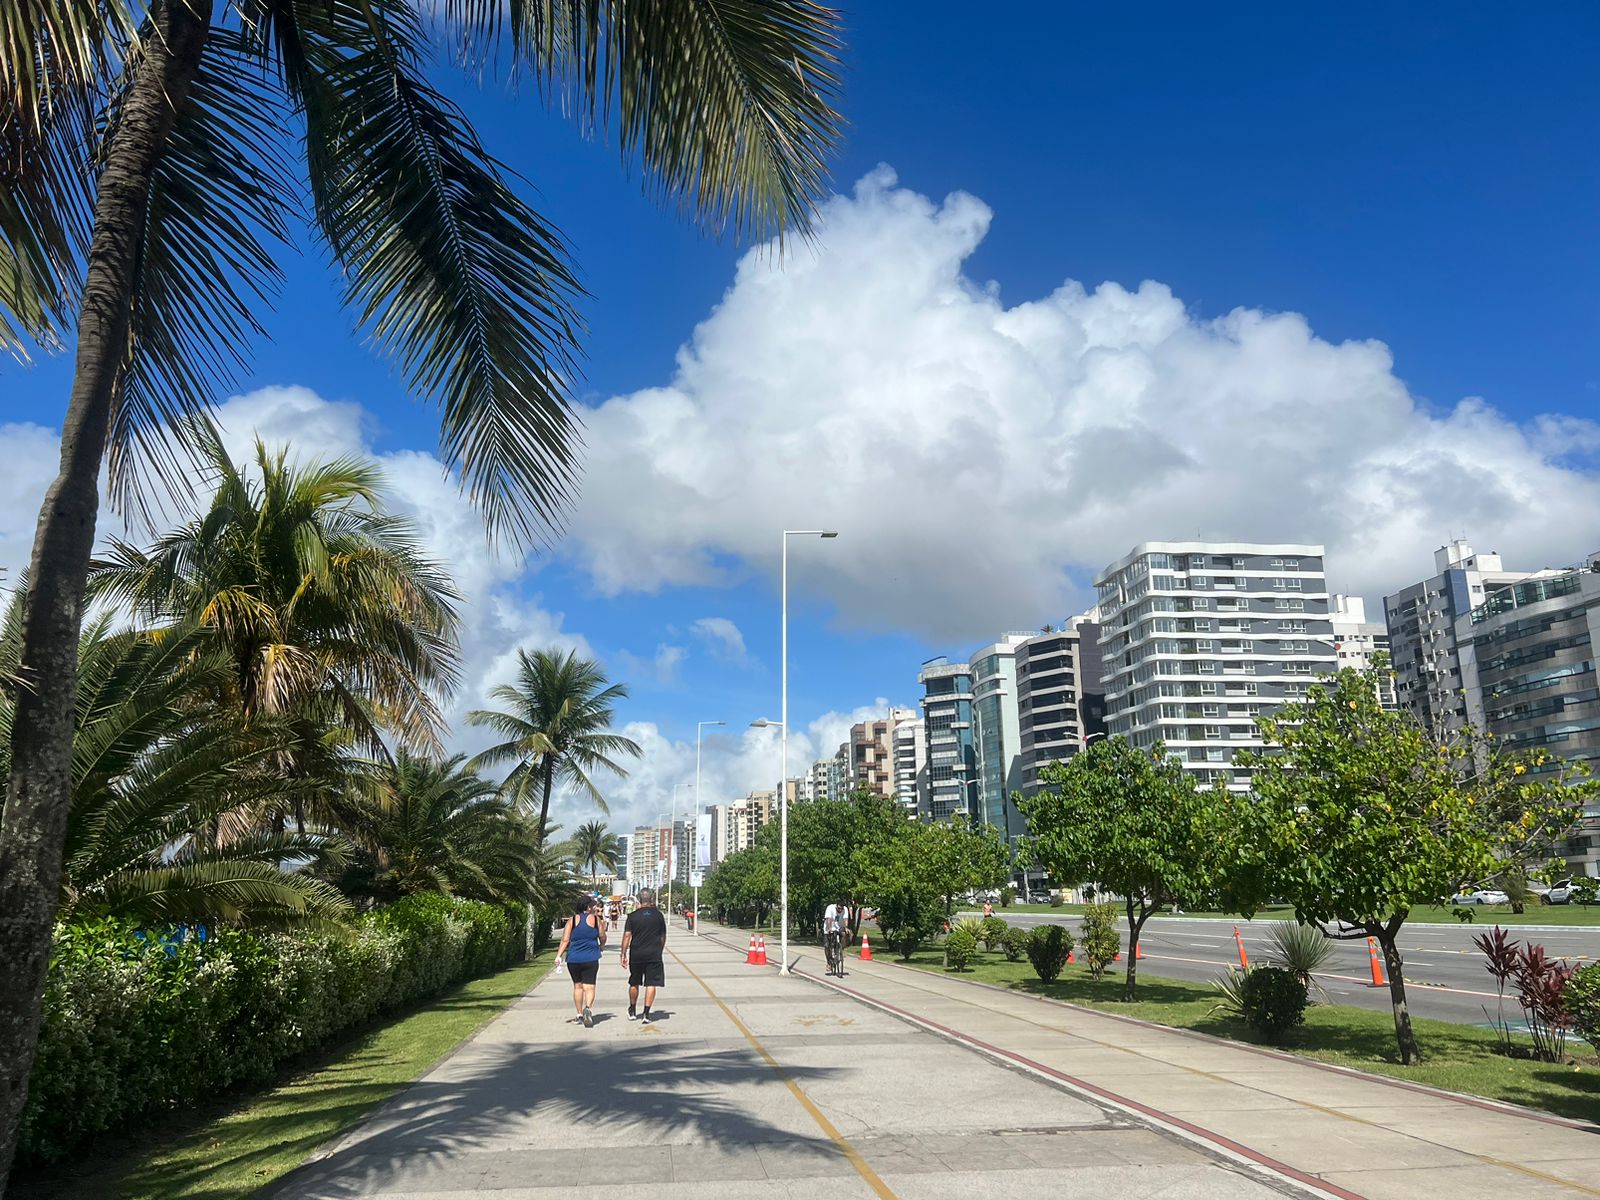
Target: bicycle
[[833, 951]]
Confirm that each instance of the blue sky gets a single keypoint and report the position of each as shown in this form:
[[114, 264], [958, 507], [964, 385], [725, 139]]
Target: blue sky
[[1417, 176]]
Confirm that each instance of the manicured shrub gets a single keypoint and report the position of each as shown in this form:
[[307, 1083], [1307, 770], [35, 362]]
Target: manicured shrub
[[1057, 899], [1048, 947], [137, 1022], [960, 948], [908, 918], [1582, 997], [1102, 941], [1015, 944], [1273, 1000], [993, 932]]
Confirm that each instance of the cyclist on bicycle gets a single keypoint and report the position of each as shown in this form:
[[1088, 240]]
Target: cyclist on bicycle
[[835, 924]]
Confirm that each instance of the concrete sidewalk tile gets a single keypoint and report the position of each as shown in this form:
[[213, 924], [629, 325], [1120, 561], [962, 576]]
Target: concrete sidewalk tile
[[1315, 1142], [1469, 1182], [702, 1162], [797, 1161], [1575, 1170]]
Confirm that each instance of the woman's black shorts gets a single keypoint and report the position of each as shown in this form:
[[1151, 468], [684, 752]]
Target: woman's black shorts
[[583, 972]]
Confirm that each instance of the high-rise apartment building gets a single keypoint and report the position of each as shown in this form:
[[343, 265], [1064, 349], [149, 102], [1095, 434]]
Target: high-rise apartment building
[[997, 733], [872, 753], [1527, 657], [1357, 642], [1422, 621], [1199, 638], [952, 762], [623, 865], [1060, 701], [911, 765], [742, 820], [647, 852]]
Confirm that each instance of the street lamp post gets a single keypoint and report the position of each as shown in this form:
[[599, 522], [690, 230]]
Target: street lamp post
[[699, 732], [783, 739]]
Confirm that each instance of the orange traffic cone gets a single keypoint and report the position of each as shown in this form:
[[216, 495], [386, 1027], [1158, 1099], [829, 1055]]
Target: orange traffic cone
[[750, 954], [866, 949], [1377, 964], [1138, 951], [761, 951], [1244, 959], [1070, 959]]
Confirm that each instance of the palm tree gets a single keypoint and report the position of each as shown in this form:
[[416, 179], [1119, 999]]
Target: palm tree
[[155, 765], [431, 825], [556, 724], [149, 197], [312, 592], [594, 846]]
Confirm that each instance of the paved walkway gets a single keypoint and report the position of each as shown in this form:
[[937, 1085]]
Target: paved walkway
[[754, 1086], [1353, 1134]]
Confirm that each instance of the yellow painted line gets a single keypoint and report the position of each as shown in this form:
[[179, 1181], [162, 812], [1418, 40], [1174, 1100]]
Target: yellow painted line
[[850, 1152]]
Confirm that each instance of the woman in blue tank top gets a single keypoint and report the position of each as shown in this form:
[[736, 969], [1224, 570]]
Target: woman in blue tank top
[[581, 941]]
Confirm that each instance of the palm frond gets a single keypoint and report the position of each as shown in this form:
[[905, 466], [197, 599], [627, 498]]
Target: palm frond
[[451, 273]]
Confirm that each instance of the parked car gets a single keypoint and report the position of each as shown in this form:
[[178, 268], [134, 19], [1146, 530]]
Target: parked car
[[1557, 893], [1481, 896]]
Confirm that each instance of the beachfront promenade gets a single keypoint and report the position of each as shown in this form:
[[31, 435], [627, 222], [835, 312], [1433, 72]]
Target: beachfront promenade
[[906, 1084]]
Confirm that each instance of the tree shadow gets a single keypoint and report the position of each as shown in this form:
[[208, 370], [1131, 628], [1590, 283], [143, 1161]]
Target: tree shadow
[[434, 1121]]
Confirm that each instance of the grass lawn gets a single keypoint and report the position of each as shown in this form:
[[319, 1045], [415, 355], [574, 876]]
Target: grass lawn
[[1458, 1057], [1536, 914], [233, 1150]]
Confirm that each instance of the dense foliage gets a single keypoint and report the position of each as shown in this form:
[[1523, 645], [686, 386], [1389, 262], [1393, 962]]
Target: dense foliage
[[138, 1021], [1358, 814], [960, 948], [1132, 823], [1099, 937], [1273, 1000], [1048, 947]]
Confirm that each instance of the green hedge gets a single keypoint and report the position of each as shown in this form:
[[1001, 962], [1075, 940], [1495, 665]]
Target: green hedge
[[133, 1026]]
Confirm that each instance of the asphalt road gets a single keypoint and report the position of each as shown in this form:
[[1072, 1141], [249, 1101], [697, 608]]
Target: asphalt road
[[1445, 975]]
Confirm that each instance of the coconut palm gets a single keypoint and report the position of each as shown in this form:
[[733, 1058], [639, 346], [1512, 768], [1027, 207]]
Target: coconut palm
[[594, 846], [156, 766], [156, 153], [431, 825], [311, 591], [556, 728]]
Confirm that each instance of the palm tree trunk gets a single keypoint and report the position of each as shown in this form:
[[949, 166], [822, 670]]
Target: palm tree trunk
[[34, 825], [544, 803]]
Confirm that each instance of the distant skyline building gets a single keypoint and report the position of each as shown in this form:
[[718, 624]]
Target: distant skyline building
[[1422, 632], [952, 761], [1357, 642], [1200, 638], [911, 765], [872, 752], [997, 734], [1060, 699]]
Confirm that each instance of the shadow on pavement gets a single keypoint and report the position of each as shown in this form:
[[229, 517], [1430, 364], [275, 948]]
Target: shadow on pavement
[[546, 1087]]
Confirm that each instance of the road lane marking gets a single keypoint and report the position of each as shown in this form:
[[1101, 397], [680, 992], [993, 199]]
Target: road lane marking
[[863, 1168]]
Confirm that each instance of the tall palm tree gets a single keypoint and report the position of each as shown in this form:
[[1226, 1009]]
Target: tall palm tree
[[594, 846], [556, 724], [155, 765], [155, 155], [431, 825], [310, 589]]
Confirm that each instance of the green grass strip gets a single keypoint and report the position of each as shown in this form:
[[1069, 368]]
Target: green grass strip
[[230, 1153], [1459, 1058]]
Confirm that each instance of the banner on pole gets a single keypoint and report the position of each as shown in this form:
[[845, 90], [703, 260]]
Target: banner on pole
[[702, 841]]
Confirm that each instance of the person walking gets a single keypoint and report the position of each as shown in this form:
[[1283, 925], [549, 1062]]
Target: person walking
[[644, 938], [581, 943]]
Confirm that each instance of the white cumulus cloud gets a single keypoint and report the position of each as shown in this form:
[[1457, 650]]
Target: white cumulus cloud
[[982, 460], [724, 637]]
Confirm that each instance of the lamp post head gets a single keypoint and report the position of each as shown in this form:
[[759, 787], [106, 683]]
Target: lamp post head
[[829, 533], [764, 723]]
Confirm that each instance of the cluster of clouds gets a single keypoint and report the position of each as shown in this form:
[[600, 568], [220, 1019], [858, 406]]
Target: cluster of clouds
[[981, 460]]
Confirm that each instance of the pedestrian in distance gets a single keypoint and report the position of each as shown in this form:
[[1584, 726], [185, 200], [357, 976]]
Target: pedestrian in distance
[[644, 939], [581, 942]]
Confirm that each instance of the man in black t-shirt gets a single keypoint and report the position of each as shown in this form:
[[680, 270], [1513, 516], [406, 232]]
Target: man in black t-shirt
[[644, 937]]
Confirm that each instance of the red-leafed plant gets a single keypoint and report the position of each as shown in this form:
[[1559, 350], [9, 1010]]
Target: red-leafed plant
[[1540, 982]]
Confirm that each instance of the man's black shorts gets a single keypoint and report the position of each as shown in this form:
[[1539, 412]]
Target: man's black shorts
[[646, 974], [583, 972]]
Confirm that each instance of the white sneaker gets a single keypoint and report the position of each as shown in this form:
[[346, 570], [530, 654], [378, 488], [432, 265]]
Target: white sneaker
[[588, 1018]]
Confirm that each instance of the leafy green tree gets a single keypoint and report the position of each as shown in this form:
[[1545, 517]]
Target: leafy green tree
[[150, 196], [556, 726], [593, 847], [827, 841], [1131, 822], [430, 825], [1358, 815], [156, 768], [954, 858], [744, 884]]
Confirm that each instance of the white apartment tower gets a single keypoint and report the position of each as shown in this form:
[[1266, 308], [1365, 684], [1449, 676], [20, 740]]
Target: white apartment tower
[[911, 764], [1197, 639], [1357, 642]]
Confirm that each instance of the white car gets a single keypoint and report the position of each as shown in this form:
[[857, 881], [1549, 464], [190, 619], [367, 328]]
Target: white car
[[1482, 896], [1557, 893]]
